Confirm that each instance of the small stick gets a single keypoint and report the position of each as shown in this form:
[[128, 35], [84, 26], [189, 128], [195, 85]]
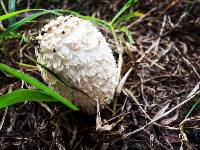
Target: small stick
[[190, 96]]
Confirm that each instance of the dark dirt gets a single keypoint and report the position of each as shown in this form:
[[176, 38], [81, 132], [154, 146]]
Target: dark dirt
[[162, 76]]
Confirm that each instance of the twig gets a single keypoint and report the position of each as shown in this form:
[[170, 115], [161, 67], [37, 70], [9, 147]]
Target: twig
[[142, 91], [153, 78], [136, 101], [3, 118], [145, 53], [163, 115], [47, 108], [3, 6], [6, 110], [176, 25], [187, 62], [162, 55], [141, 18], [160, 33], [126, 91], [120, 63]]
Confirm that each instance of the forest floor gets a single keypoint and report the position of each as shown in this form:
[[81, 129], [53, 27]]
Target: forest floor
[[157, 107]]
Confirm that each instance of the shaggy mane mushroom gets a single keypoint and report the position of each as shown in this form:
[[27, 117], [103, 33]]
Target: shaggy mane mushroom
[[76, 51]]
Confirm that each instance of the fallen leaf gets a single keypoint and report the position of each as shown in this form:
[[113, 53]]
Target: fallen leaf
[[169, 120], [161, 111]]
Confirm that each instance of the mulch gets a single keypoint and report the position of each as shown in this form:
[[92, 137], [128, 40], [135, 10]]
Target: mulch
[[165, 56]]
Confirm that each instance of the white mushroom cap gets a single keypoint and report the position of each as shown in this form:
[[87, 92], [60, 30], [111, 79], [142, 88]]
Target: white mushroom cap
[[75, 50]]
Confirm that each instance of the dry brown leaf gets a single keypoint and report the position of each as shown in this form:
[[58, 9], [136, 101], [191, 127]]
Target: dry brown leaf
[[161, 111], [196, 88], [170, 120], [122, 82], [107, 127]]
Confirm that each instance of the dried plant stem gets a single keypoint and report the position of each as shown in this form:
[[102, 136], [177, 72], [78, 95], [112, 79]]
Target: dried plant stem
[[190, 96], [3, 118], [3, 6], [120, 63]]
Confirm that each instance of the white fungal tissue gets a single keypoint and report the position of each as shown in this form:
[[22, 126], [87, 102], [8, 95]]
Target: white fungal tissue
[[76, 51]]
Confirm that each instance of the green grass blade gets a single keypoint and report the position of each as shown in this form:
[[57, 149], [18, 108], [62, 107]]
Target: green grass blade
[[11, 8], [193, 107], [128, 33], [36, 84], [51, 72], [67, 11], [43, 11], [22, 22], [25, 20], [128, 17], [103, 23], [181, 125], [122, 10], [6, 16], [11, 35], [53, 12], [23, 95], [96, 20], [90, 18], [67, 84]]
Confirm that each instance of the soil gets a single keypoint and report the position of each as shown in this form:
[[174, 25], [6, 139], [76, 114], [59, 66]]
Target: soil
[[165, 56]]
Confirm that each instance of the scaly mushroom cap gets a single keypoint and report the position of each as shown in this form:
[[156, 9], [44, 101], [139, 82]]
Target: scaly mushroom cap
[[76, 51]]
